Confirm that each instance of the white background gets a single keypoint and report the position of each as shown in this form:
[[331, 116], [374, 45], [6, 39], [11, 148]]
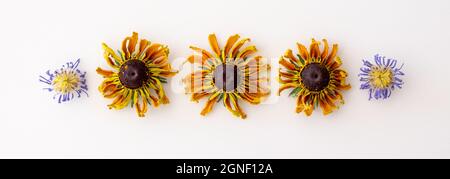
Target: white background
[[40, 35]]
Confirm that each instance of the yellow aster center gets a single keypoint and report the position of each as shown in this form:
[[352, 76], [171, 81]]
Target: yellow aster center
[[66, 82], [381, 77]]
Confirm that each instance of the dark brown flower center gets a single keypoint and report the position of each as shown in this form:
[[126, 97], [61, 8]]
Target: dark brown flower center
[[226, 77], [133, 74], [315, 77]]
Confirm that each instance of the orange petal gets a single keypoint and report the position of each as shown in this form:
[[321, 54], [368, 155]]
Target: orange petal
[[291, 57], [300, 106], [287, 86], [333, 54], [210, 104], [133, 41], [202, 51], [314, 49], [235, 49], [287, 64], [105, 73], [325, 49], [142, 45], [303, 51], [214, 45], [237, 108], [230, 42]]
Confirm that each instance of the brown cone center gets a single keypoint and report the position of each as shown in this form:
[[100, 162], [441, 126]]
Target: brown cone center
[[226, 77], [133, 74], [315, 77]]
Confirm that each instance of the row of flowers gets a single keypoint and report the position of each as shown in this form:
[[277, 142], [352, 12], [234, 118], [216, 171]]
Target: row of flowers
[[228, 74]]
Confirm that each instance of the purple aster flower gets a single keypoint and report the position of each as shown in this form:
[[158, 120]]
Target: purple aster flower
[[381, 78], [66, 83]]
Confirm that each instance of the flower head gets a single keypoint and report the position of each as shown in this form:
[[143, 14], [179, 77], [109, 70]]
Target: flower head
[[138, 75], [227, 75], [315, 77], [381, 78], [66, 83]]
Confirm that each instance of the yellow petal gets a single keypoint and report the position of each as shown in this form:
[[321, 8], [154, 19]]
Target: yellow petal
[[235, 50], [230, 42], [133, 42], [214, 45], [333, 54], [325, 49], [209, 105], [287, 86], [287, 64], [202, 51], [105, 73], [303, 51], [111, 58], [314, 49], [247, 52]]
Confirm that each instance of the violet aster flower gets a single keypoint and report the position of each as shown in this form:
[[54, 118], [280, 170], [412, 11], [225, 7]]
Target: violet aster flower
[[66, 83], [381, 78]]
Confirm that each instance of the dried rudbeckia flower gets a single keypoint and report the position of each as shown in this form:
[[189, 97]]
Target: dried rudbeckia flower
[[227, 75], [315, 77], [381, 78], [138, 76], [66, 83]]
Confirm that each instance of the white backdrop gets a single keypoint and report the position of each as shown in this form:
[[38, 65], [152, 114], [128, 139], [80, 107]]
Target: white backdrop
[[40, 35]]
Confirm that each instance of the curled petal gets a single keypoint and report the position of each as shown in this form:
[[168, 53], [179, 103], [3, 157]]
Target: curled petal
[[326, 109], [325, 49], [151, 50], [210, 104], [294, 60], [315, 49], [203, 52], [133, 42], [141, 108], [214, 45], [287, 64], [235, 50], [105, 73], [332, 55], [247, 52], [287, 86], [129, 44], [143, 44], [300, 106], [237, 108], [111, 58], [230, 42], [303, 51], [197, 96]]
